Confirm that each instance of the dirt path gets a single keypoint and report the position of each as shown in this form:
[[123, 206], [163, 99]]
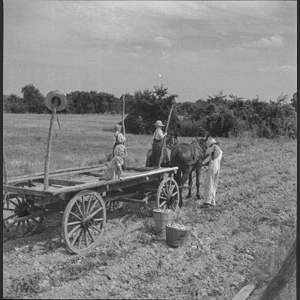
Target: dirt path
[[243, 240]]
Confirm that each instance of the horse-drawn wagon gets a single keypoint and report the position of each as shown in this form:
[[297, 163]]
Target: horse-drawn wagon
[[82, 201], [80, 196]]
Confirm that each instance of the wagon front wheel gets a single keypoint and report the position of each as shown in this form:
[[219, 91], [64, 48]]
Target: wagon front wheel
[[167, 196], [83, 221]]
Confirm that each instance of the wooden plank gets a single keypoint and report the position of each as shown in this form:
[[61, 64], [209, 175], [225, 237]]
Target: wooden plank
[[28, 191], [61, 182], [4, 169], [61, 172], [284, 275], [244, 293], [139, 168], [134, 200], [95, 174], [20, 179]]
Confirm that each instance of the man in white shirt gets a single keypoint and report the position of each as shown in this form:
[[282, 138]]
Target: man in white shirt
[[213, 159], [157, 143]]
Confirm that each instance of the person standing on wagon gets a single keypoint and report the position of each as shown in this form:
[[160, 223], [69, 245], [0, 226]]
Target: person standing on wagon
[[213, 159], [119, 138], [157, 143]]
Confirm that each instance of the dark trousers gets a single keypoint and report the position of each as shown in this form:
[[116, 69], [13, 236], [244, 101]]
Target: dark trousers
[[156, 148]]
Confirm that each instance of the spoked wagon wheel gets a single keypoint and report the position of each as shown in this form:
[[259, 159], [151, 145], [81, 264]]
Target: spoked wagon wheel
[[167, 196], [19, 217], [83, 221], [112, 206]]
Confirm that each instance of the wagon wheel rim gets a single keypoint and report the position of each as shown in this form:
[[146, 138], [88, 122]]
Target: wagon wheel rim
[[18, 219], [84, 221], [167, 196]]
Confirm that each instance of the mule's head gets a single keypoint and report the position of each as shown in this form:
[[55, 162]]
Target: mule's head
[[201, 141], [171, 141]]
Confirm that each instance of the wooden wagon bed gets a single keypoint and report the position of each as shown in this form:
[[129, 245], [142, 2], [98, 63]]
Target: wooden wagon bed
[[86, 178], [84, 197]]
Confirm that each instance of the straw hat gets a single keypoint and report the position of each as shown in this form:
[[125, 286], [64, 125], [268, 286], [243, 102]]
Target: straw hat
[[211, 141], [50, 100], [117, 127], [159, 123]]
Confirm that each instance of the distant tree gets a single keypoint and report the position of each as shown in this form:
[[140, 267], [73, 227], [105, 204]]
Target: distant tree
[[34, 100], [150, 106], [14, 104], [130, 103], [81, 102], [282, 99], [217, 98], [294, 101]]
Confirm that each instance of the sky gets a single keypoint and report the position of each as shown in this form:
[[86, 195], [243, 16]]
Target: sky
[[194, 48]]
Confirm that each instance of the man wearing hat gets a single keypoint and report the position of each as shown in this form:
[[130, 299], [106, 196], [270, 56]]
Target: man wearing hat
[[157, 142], [213, 159]]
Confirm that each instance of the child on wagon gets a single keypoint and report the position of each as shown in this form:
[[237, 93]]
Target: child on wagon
[[119, 138], [114, 169]]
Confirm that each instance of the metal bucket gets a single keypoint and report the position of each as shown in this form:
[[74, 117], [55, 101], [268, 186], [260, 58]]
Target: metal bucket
[[176, 237], [162, 218]]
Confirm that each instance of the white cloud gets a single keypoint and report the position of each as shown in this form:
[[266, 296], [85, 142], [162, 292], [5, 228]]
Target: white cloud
[[164, 42], [279, 68], [274, 41], [286, 68], [138, 48]]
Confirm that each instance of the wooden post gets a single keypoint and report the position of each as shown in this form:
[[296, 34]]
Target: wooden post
[[5, 197], [164, 140], [123, 125], [4, 169], [47, 157], [283, 276]]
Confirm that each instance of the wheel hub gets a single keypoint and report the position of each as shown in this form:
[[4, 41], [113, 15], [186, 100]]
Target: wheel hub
[[87, 222], [21, 211]]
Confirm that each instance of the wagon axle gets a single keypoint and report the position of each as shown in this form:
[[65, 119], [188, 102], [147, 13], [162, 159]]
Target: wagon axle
[[87, 222], [22, 211]]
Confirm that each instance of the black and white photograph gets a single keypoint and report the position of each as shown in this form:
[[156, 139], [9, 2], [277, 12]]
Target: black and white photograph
[[149, 150]]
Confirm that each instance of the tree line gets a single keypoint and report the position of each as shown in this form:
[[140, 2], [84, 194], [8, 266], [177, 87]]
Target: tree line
[[218, 115]]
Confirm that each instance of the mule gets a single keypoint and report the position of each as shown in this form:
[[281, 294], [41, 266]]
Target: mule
[[188, 158]]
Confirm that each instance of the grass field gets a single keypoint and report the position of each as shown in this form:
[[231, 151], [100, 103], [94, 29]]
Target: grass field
[[81, 140], [243, 240]]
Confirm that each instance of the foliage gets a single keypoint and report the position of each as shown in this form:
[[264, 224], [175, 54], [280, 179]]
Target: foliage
[[149, 107], [234, 116], [14, 104], [218, 115], [92, 102], [294, 101], [33, 99]]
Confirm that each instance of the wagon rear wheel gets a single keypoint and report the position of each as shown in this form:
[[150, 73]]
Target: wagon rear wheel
[[19, 217], [167, 196], [113, 205], [83, 221]]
